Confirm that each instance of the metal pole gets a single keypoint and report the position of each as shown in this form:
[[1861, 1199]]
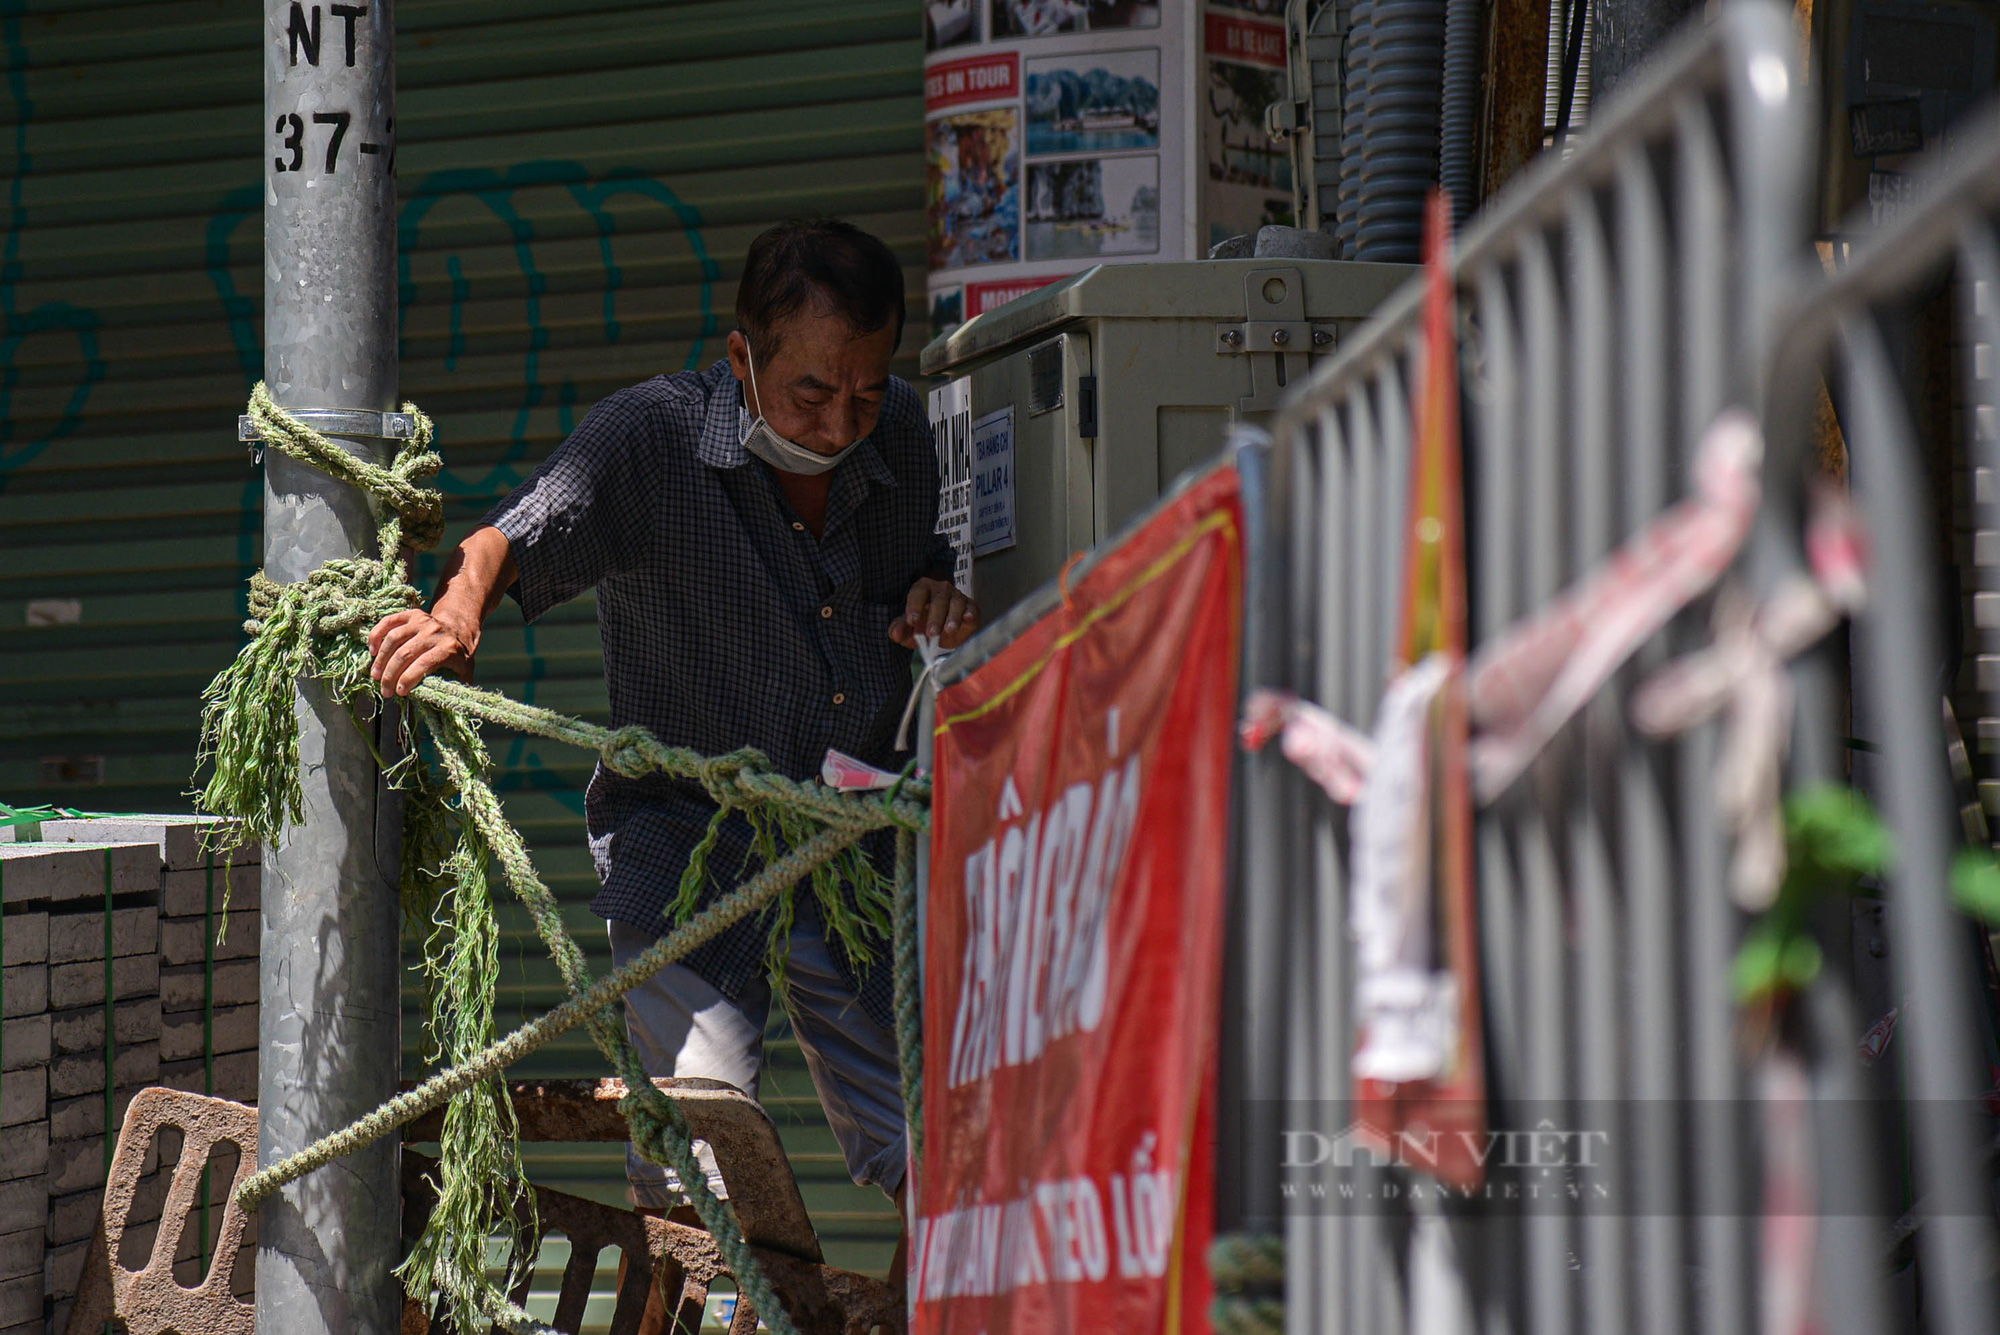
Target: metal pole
[[1250, 1113], [330, 1027]]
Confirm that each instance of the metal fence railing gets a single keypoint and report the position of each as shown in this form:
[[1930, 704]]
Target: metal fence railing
[[1612, 306], [1862, 330]]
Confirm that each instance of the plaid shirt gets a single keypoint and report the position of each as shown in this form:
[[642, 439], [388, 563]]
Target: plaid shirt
[[726, 623]]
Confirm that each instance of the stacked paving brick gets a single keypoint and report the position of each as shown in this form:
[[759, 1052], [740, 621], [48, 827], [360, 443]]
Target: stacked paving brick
[[206, 1002], [91, 913], [24, 1122], [196, 935]]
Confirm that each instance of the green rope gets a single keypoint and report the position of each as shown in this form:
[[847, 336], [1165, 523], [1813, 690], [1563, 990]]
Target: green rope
[[909, 1013], [207, 1041], [1249, 1274], [110, 1024], [456, 838], [401, 486]]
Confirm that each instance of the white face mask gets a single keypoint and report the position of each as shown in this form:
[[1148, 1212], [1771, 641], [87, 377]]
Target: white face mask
[[787, 456]]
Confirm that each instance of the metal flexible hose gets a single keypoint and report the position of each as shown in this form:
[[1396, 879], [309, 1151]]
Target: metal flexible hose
[[1353, 117], [1457, 162], [1399, 155]]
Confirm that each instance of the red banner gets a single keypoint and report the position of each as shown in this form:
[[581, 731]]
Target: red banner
[[983, 297], [1073, 950], [1232, 38], [977, 79]]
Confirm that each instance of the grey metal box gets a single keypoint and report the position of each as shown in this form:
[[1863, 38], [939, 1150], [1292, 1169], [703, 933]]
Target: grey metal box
[[1125, 376]]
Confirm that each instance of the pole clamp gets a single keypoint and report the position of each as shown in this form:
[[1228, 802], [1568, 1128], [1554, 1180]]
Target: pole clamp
[[341, 422]]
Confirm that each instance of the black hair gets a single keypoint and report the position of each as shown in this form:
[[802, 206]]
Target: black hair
[[832, 266]]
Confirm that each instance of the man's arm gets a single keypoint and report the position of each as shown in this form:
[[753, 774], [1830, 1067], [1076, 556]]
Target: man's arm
[[587, 513], [409, 646]]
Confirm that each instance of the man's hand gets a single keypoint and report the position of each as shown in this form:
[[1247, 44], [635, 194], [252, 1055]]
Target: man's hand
[[409, 646], [936, 609]]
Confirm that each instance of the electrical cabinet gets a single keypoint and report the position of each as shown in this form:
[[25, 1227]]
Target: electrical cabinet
[[1067, 411]]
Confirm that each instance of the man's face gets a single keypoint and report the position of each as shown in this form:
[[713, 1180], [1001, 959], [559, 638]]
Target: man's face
[[823, 386]]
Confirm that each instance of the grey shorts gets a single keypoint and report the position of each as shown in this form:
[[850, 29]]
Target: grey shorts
[[682, 1026]]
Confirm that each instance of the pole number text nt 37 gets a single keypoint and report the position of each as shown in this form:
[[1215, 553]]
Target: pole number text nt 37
[[304, 33], [294, 153]]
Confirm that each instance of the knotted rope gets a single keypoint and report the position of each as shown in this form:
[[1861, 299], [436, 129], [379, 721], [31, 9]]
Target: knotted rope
[[1249, 1274], [401, 487], [455, 832]]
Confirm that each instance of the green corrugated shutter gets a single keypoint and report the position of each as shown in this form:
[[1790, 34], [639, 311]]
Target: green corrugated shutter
[[579, 179]]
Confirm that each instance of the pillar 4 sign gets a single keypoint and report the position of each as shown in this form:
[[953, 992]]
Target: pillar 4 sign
[[993, 482], [1074, 922]]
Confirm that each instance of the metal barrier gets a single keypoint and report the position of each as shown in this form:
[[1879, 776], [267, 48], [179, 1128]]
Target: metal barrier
[[1852, 328], [1612, 306]]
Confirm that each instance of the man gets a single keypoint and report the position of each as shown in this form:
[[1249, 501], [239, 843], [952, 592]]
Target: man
[[761, 537]]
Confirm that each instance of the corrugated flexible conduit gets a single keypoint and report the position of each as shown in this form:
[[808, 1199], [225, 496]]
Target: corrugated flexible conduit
[[1399, 152], [1458, 167], [1353, 127]]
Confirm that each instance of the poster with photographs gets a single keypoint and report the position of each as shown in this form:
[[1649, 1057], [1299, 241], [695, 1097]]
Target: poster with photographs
[[1061, 134], [1045, 18], [1249, 173], [974, 188], [1084, 208], [1093, 102], [950, 23]]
